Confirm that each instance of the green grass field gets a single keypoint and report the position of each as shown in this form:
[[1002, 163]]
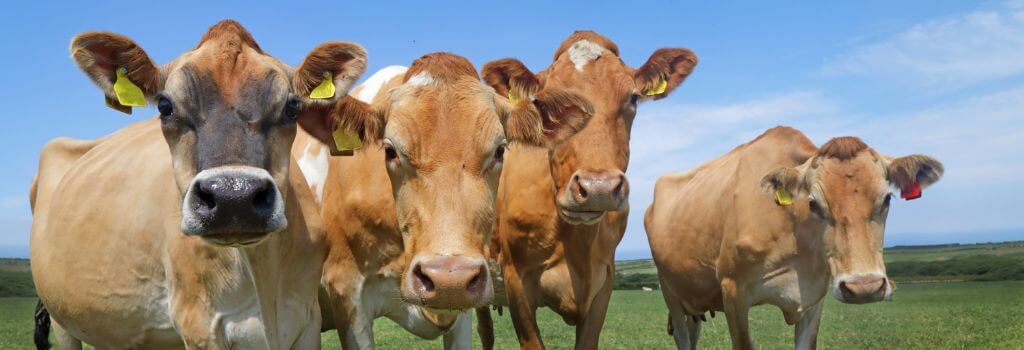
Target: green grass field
[[965, 315]]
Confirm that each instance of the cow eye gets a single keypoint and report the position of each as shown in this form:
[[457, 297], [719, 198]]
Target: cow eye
[[390, 153], [165, 106], [291, 110], [499, 153], [633, 99], [815, 208]]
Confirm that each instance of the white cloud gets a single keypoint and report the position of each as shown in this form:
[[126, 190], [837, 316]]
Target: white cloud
[[947, 53]]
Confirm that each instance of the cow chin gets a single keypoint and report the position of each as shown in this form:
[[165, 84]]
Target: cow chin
[[580, 217]]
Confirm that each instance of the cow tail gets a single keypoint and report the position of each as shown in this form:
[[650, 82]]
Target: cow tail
[[485, 327], [42, 331]]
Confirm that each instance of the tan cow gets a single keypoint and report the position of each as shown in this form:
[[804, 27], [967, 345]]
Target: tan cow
[[413, 248], [773, 222], [561, 214], [192, 229]]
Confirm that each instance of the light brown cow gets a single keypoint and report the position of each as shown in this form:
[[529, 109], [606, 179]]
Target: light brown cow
[[413, 248], [561, 214], [193, 228], [772, 222]]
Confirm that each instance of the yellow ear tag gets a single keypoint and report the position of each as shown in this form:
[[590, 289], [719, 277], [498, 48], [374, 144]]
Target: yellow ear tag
[[657, 90], [512, 98], [128, 94], [783, 197], [346, 141], [325, 89]]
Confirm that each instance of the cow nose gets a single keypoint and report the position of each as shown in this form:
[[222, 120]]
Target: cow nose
[[232, 201], [598, 191], [449, 282], [235, 194], [861, 290]]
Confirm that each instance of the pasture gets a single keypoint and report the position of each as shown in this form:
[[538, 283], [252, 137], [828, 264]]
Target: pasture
[[964, 315]]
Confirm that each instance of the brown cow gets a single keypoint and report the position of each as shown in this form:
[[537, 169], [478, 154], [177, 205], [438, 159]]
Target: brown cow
[[562, 213], [413, 248], [193, 228], [772, 222]]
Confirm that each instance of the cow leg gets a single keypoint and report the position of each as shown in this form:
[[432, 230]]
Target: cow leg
[[807, 328], [310, 337], [64, 340], [685, 330], [485, 327], [354, 326], [522, 310], [460, 336], [737, 315], [588, 332]]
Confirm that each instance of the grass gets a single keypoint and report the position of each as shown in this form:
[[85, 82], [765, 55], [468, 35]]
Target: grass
[[966, 315]]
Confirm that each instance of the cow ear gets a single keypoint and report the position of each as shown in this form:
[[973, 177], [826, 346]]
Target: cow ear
[[345, 126], [783, 183], [118, 66], [913, 173], [510, 78], [546, 119], [664, 71], [328, 72]]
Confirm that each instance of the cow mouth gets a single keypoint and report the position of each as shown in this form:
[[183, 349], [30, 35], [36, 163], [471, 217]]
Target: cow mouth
[[236, 239], [580, 217]]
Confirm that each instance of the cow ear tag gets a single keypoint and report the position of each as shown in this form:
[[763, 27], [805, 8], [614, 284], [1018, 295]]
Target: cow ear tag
[[512, 98], [783, 197], [346, 142], [325, 89], [128, 94], [660, 89], [113, 104], [911, 191]]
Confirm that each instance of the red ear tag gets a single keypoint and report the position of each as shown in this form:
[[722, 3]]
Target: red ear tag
[[911, 191]]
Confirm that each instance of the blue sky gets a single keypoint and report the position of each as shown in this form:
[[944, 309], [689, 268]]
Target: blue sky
[[945, 78]]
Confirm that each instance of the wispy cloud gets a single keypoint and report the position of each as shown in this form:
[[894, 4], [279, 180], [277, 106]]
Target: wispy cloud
[[947, 53]]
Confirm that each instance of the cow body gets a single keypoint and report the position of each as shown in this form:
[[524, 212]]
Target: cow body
[[193, 229], [720, 243], [561, 214], [144, 282], [408, 240]]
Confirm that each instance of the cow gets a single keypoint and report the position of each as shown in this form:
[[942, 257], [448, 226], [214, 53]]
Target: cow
[[562, 213], [192, 229], [777, 221], [408, 237]]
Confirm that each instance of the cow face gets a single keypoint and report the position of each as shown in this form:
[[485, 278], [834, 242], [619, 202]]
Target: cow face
[[589, 169], [228, 113], [845, 190], [444, 135]]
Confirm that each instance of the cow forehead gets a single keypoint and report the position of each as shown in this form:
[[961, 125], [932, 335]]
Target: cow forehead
[[587, 65], [860, 177], [237, 73], [452, 117]]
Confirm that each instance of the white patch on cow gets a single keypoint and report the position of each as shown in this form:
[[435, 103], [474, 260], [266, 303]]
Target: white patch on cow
[[372, 86], [314, 168], [584, 51], [421, 79]]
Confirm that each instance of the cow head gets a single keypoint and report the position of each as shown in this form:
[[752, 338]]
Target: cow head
[[589, 169], [845, 190], [443, 135], [228, 113]]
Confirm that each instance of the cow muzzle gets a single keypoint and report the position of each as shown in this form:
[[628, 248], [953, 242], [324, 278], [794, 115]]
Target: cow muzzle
[[862, 288], [447, 283], [589, 194], [233, 206]]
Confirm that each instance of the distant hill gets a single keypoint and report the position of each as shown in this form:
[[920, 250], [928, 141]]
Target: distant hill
[[968, 262]]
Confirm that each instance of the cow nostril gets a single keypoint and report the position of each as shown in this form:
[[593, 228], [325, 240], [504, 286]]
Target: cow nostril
[[263, 199], [845, 289], [428, 284], [476, 284], [206, 199]]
